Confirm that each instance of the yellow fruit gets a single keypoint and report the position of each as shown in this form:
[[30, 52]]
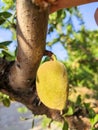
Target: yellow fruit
[[52, 84]]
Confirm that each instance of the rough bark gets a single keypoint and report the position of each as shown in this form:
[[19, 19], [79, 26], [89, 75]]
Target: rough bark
[[31, 36]]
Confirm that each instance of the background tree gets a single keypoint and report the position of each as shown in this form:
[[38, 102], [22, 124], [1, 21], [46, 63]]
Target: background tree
[[18, 69]]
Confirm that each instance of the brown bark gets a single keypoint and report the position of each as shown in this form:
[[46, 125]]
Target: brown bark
[[31, 36]]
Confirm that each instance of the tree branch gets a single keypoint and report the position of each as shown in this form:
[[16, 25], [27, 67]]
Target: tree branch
[[31, 35]]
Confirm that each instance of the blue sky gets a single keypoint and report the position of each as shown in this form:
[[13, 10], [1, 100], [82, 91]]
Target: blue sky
[[87, 12]]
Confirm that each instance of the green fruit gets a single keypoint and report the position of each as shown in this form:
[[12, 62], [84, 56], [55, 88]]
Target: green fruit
[[52, 84]]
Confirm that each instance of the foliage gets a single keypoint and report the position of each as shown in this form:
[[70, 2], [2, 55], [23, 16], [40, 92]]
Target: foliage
[[81, 46], [22, 109], [82, 49], [83, 58], [5, 100]]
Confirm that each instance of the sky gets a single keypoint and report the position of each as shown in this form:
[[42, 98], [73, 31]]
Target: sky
[[87, 12]]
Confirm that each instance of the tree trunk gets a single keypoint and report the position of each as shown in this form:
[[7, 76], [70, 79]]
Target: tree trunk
[[31, 36]]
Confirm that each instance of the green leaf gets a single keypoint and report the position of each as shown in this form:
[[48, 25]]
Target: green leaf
[[6, 102], [94, 121], [4, 16], [6, 43], [3, 45], [65, 126], [91, 113], [46, 121], [8, 55], [79, 100], [8, 4], [70, 111], [22, 109], [1, 97], [87, 105]]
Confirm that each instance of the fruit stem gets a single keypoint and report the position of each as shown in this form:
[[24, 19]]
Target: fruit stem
[[53, 57], [50, 54]]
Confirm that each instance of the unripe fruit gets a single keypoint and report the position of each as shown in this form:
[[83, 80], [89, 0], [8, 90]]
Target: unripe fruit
[[52, 84]]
